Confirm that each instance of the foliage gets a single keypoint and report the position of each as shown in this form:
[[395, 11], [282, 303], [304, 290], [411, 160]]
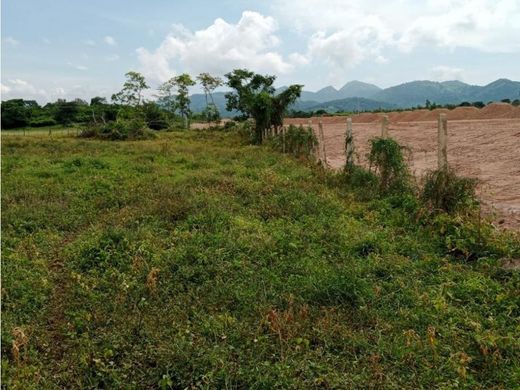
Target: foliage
[[123, 129], [42, 122], [195, 261], [209, 84], [443, 190], [132, 92], [387, 158], [179, 101], [254, 96], [15, 113], [66, 112], [297, 140], [155, 118]]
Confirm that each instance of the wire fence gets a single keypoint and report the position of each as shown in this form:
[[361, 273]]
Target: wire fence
[[42, 132]]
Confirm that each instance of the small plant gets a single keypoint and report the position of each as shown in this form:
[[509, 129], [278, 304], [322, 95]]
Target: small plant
[[444, 190], [387, 158], [361, 179], [297, 140]]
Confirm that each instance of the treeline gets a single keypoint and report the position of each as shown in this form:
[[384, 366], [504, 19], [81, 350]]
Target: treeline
[[130, 115]]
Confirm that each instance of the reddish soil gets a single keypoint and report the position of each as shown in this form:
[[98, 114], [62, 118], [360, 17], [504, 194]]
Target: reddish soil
[[484, 144]]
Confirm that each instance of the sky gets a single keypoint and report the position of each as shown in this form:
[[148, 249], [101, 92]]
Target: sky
[[79, 49]]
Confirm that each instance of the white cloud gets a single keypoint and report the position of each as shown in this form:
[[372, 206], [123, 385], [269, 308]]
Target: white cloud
[[219, 48], [46, 41], [445, 73], [110, 40], [4, 89], [18, 88], [22, 89], [89, 42], [370, 25], [81, 67], [11, 41]]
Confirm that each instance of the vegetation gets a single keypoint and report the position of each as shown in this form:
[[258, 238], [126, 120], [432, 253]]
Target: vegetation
[[445, 191], [209, 84], [297, 140], [254, 96], [194, 260], [387, 159]]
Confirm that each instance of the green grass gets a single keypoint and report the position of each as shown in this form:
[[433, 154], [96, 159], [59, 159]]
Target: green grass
[[195, 261]]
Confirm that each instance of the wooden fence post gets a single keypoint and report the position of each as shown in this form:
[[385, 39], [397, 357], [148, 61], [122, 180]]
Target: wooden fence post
[[283, 139], [309, 123], [442, 142], [50, 131], [384, 127], [349, 143], [322, 136]]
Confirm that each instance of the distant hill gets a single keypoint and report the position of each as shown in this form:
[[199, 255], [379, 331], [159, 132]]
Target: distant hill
[[449, 92], [351, 104], [360, 96]]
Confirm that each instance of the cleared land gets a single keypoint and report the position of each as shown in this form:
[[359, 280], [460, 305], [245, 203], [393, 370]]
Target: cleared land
[[196, 261], [486, 149]]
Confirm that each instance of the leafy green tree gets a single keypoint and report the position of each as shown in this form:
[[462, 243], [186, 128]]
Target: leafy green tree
[[66, 112], [183, 82], [254, 96], [132, 92], [209, 84], [166, 97], [16, 113], [174, 95]]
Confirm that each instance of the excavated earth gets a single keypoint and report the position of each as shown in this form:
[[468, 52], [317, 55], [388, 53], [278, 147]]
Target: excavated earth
[[482, 143]]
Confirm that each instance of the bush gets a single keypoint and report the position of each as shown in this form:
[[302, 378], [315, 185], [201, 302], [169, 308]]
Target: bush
[[246, 131], [362, 179], [42, 122], [118, 130], [299, 140], [387, 157], [444, 190], [229, 125]]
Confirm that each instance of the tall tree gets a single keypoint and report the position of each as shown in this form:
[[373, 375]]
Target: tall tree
[[254, 96], [132, 92], [182, 99], [209, 84], [166, 97]]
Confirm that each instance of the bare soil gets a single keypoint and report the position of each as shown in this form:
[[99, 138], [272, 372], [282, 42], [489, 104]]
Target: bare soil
[[478, 146]]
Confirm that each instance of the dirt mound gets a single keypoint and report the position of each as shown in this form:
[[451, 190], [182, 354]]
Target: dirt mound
[[433, 115], [366, 117], [500, 110], [464, 113]]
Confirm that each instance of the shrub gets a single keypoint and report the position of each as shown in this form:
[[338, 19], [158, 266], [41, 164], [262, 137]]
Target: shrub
[[363, 180], [444, 190], [229, 125], [246, 131], [42, 122], [387, 158], [299, 140], [132, 129]]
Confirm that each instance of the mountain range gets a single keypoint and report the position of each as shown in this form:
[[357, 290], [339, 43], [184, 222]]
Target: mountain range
[[360, 96]]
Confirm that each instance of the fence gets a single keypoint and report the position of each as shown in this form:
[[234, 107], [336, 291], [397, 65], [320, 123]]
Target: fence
[[42, 132], [341, 141]]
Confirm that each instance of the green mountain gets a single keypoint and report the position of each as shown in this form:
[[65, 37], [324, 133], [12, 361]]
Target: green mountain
[[359, 96], [351, 104]]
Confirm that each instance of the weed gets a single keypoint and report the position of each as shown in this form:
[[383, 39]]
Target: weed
[[443, 190], [387, 158]]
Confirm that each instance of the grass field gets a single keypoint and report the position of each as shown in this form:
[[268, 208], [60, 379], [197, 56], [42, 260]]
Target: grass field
[[196, 261]]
